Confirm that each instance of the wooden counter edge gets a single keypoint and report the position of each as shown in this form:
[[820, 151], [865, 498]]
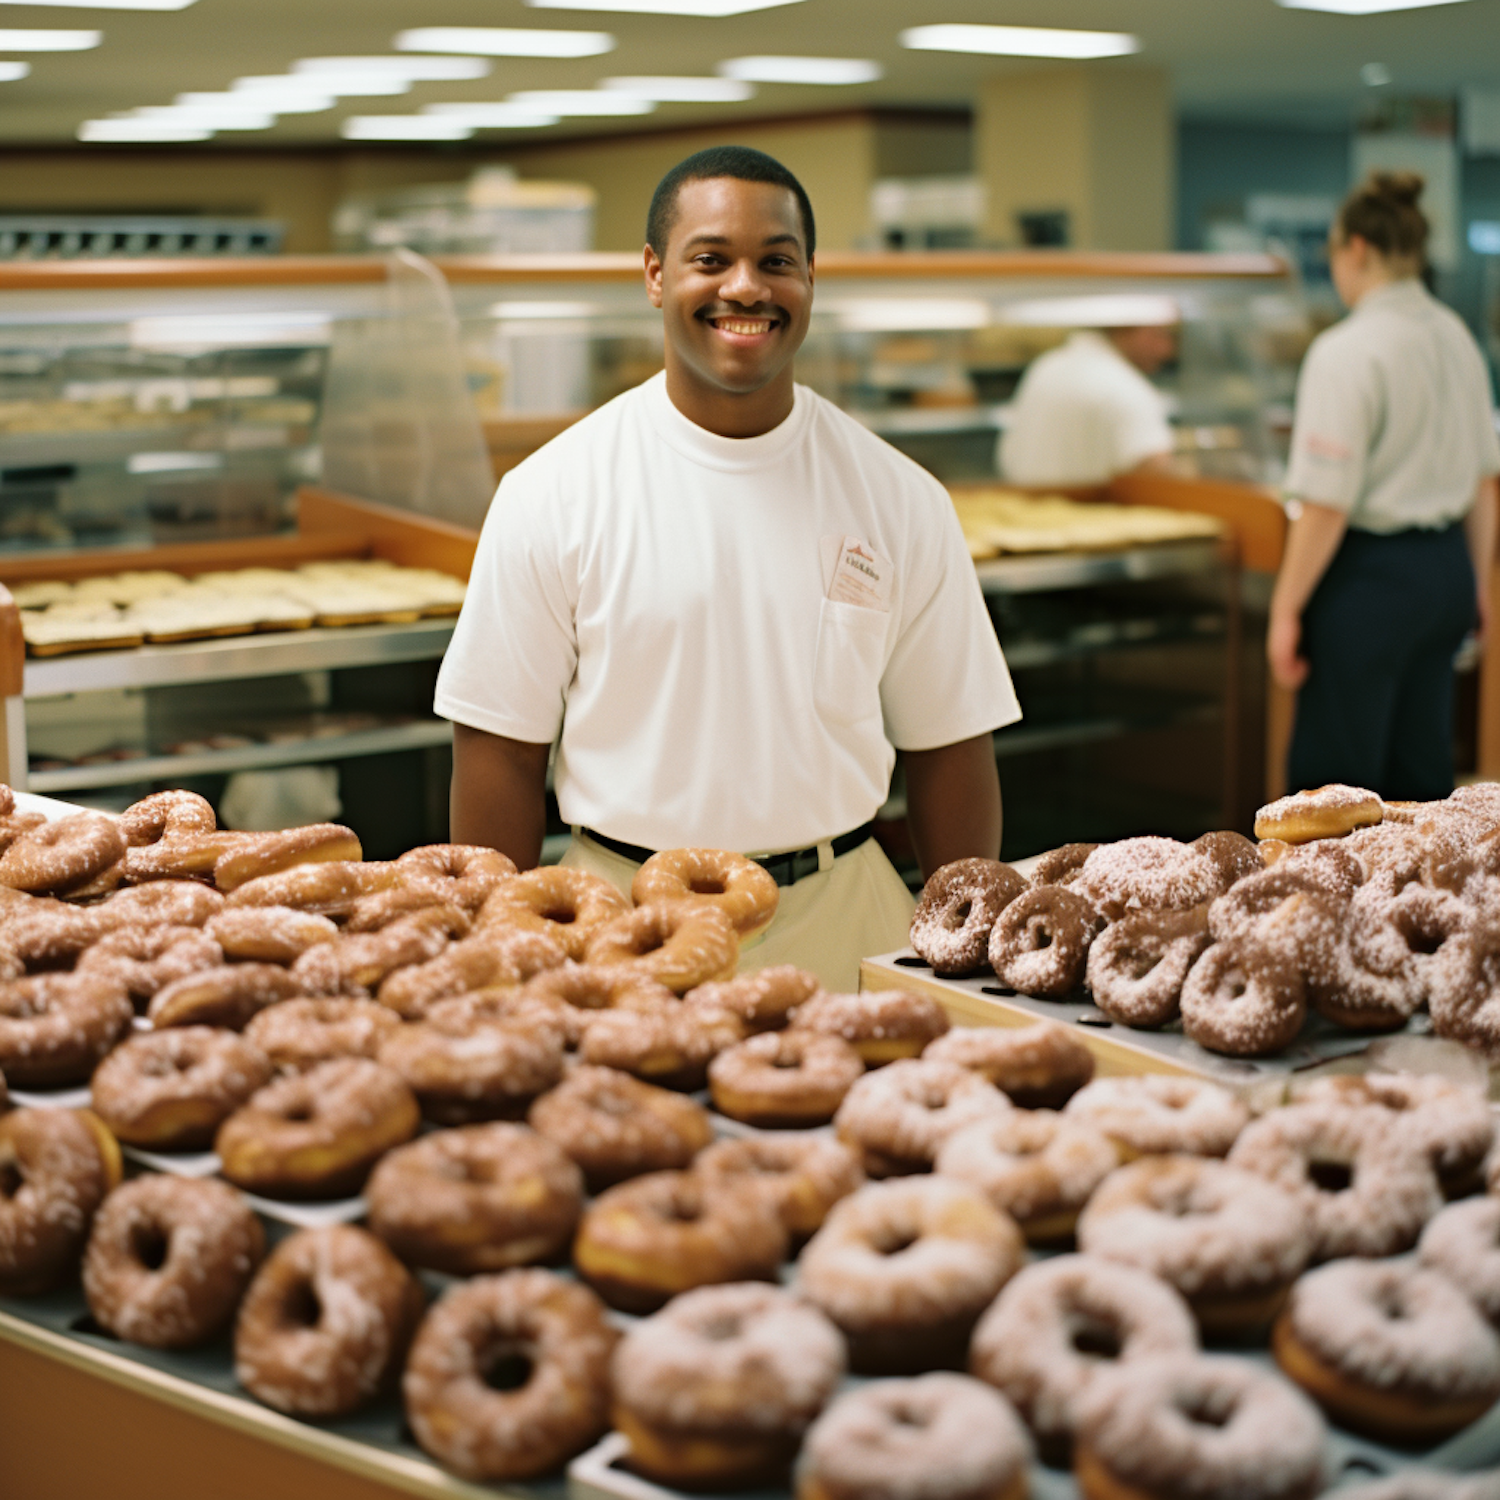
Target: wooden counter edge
[[399, 536]]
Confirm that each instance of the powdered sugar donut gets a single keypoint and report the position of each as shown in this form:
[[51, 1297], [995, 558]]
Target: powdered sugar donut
[[805, 1174], [1155, 1114], [1231, 854], [1148, 874], [1463, 1242], [1060, 866], [1137, 966], [951, 925], [1039, 944], [881, 1025], [1237, 1000], [1040, 1066], [1464, 988], [1324, 812]]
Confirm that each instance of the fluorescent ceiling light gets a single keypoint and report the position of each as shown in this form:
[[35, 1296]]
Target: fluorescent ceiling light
[[278, 101], [581, 102], [1020, 41], [504, 41], [683, 90], [192, 331], [831, 70], [204, 117], [11, 71], [140, 130], [665, 7], [404, 128], [529, 312], [315, 85], [1362, 7], [496, 116], [418, 69], [49, 41], [106, 4], [1094, 310]]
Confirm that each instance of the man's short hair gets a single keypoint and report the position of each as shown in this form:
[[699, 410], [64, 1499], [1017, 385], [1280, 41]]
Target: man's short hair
[[743, 163]]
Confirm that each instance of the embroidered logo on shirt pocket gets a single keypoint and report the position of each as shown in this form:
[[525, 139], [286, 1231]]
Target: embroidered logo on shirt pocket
[[849, 662]]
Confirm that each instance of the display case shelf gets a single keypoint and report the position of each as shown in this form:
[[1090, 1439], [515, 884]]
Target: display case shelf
[[1072, 570]]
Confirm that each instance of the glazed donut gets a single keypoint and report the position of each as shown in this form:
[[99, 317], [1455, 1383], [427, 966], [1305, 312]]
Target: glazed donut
[[883, 1026], [492, 956], [171, 1090], [1157, 1115], [1040, 1066], [329, 888], [166, 815], [145, 959], [54, 1028], [953, 920], [1230, 1242], [568, 905], [251, 855], [1148, 874], [224, 996], [1365, 1186], [1137, 966], [936, 1434], [1324, 812], [169, 1258], [1390, 1349], [508, 1376], [325, 1323], [763, 1001], [170, 903], [1463, 1243], [648, 1239], [1183, 1425], [899, 1117], [1040, 942], [60, 856], [1231, 854], [680, 946], [1060, 866], [784, 1078], [505, 1005], [1238, 1001], [584, 990], [13, 824], [317, 1134], [741, 890], [805, 1175], [483, 1198], [56, 1166], [614, 1126], [671, 1045], [1050, 1333], [475, 870], [1038, 1167], [413, 892], [1464, 989], [355, 965], [44, 933], [267, 934], [906, 1268], [299, 1034], [716, 1390]]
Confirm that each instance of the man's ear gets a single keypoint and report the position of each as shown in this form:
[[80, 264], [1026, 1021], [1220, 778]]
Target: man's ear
[[653, 276]]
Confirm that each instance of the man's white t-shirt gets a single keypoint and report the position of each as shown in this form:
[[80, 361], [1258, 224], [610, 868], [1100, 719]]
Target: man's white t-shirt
[[661, 596], [1082, 414]]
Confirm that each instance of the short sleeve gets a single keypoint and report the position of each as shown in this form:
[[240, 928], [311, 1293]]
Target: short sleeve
[[515, 648], [1333, 429], [1139, 428]]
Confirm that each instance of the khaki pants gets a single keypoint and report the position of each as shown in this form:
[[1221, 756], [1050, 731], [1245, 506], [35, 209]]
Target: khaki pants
[[826, 923]]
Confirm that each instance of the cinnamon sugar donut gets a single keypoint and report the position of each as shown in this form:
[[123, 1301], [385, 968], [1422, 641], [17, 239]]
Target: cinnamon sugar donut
[[483, 1198], [1147, 874], [1040, 943], [146, 959], [906, 1268], [356, 964], [952, 923], [267, 934], [1239, 1001], [1061, 866], [680, 946], [492, 956], [1156, 1114], [54, 1028], [224, 996], [784, 1078], [299, 1034], [1137, 966], [172, 903], [805, 1175], [1324, 812], [881, 1025], [1040, 1066], [169, 1258], [171, 1090], [738, 887], [670, 1045], [764, 1000], [60, 856], [568, 905], [1463, 1242]]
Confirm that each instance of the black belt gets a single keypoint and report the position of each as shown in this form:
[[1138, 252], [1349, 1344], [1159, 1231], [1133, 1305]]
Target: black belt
[[784, 869]]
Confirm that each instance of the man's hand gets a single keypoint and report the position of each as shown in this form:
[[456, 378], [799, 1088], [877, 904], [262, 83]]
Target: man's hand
[[499, 794], [953, 802], [1283, 637]]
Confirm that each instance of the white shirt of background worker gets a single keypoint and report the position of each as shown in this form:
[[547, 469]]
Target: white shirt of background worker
[[1085, 411], [730, 605]]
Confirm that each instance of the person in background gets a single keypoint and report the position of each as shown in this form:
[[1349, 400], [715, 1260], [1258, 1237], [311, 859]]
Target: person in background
[[1087, 411], [1392, 498]]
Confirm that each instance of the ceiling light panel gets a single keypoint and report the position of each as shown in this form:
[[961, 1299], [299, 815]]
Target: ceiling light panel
[[1020, 41], [582, 102], [504, 41], [11, 72], [200, 117], [280, 101], [1363, 7], [500, 115], [418, 69], [140, 130], [682, 90], [823, 70], [404, 128], [314, 85], [106, 4], [712, 8], [12, 40]]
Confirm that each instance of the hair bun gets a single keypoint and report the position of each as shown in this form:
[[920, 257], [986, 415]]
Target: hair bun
[[1404, 188]]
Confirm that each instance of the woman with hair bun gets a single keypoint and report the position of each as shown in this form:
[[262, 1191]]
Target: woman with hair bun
[[1392, 484]]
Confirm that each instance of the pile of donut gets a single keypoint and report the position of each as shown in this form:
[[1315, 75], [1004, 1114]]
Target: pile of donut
[[1360, 910]]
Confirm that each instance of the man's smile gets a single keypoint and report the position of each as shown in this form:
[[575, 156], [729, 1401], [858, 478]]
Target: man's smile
[[742, 325]]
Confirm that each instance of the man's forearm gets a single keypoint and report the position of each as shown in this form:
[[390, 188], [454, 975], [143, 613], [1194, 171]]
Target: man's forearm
[[953, 802], [499, 794]]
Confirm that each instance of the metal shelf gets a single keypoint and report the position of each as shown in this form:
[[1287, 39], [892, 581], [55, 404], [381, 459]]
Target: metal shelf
[[1022, 654], [1023, 740], [1071, 570]]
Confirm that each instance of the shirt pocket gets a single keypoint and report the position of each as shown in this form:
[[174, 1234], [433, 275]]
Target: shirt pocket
[[849, 661]]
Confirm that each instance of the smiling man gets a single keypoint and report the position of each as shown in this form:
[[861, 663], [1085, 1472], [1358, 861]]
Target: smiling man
[[729, 605]]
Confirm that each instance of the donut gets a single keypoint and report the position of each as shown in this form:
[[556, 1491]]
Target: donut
[[1358, 999], [475, 870], [411, 893], [227, 995], [584, 990], [171, 1090], [784, 1078], [1039, 1066], [1241, 911], [883, 1026], [1463, 1243], [54, 1028], [899, 1117], [325, 1322], [60, 856], [171, 903], [1148, 874], [1390, 1349], [568, 905], [169, 1258], [1056, 1327], [671, 1045], [614, 1126], [145, 959], [738, 887], [1365, 1186], [1060, 866], [717, 1389], [508, 1376], [56, 1167], [504, 1005], [166, 815], [317, 1134], [1464, 989], [1038, 1167], [1330, 865], [804, 1175], [956, 913], [680, 946], [906, 1268], [1040, 942], [1423, 1484], [1230, 1242], [1137, 966], [250, 855], [1391, 928], [646, 1240], [45, 933], [1324, 812], [763, 1001], [329, 888], [1157, 1114], [493, 956], [299, 1034], [483, 1198], [1177, 1426], [934, 1434], [1231, 854], [1238, 1001], [268, 934], [355, 964]]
